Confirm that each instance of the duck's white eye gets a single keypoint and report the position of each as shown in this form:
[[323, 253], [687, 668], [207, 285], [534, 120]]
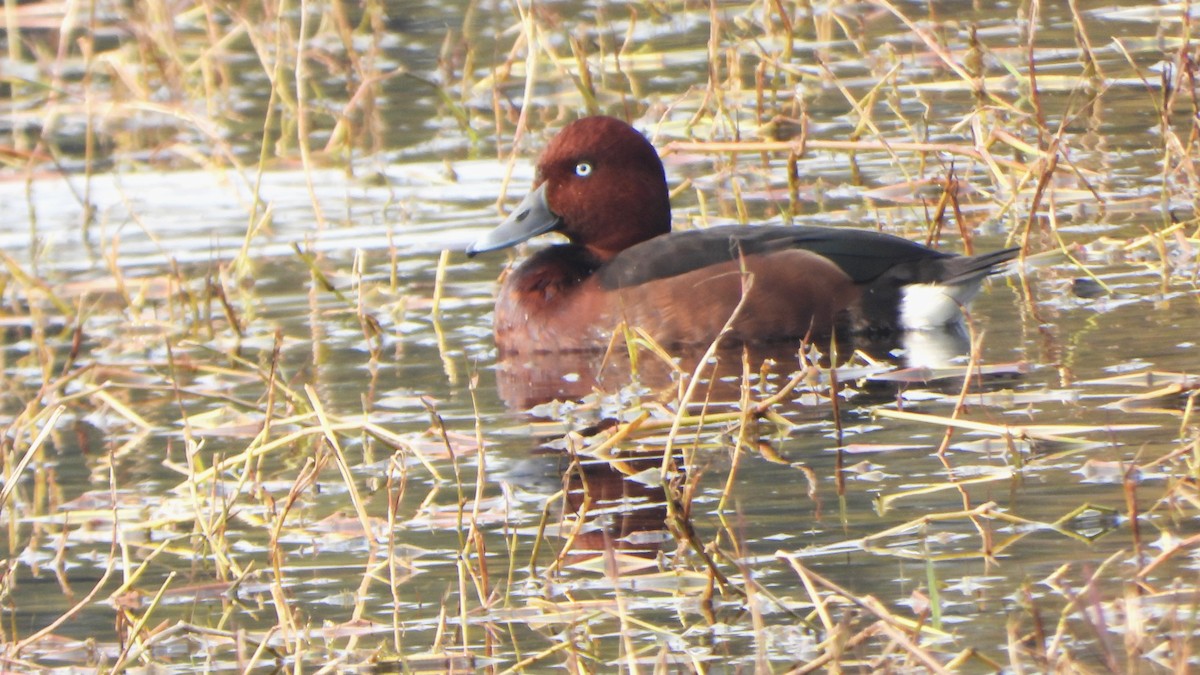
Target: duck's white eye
[[583, 169]]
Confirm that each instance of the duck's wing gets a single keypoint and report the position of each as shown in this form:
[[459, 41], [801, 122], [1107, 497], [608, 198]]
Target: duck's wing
[[864, 256]]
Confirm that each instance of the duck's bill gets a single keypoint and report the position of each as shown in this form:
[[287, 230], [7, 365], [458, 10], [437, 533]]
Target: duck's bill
[[531, 218]]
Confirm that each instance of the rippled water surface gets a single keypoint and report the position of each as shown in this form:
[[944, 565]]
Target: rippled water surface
[[254, 418]]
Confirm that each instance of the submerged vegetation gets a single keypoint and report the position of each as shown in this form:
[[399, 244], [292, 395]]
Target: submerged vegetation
[[249, 414]]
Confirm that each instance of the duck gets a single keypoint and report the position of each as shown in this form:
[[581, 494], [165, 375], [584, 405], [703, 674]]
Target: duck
[[601, 184]]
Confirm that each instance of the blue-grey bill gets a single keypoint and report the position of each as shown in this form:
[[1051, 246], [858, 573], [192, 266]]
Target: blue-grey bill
[[531, 218]]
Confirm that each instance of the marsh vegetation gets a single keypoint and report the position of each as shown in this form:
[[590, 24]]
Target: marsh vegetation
[[253, 418]]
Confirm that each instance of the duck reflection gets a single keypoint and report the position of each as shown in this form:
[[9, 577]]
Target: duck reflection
[[600, 507], [623, 505], [527, 380], [617, 509]]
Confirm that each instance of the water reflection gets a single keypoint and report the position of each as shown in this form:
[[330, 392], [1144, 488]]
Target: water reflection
[[623, 504], [615, 507], [527, 380]]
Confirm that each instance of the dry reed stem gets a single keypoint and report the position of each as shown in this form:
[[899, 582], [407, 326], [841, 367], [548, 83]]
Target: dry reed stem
[[138, 626], [668, 448], [1002, 430], [12, 477], [435, 312], [896, 627], [798, 148], [15, 649]]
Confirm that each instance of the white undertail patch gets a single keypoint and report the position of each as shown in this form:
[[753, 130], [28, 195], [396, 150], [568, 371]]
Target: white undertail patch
[[924, 306]]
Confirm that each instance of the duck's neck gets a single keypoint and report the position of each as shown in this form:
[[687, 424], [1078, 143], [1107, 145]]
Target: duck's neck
[[608, 248], [554, 270]]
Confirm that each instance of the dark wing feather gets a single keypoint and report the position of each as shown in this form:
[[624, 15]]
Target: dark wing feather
[[863, 255]]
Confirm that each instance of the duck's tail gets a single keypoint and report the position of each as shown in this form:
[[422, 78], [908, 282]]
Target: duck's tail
[[939, 301], [967, 268]]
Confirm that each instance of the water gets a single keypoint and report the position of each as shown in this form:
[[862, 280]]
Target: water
[[480, 554]]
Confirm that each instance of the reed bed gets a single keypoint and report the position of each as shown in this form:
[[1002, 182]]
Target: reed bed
[[282, 450]]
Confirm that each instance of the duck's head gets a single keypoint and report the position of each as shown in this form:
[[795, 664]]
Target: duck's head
[[600, 183]]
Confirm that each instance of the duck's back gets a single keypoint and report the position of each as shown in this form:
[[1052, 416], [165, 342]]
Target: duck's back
[[862, 255]]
